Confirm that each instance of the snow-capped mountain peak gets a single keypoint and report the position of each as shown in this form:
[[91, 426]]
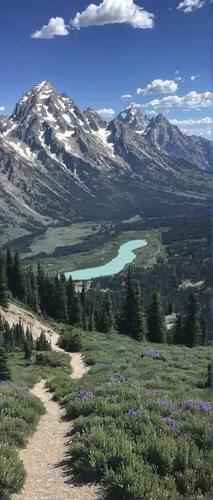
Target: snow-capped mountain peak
[[134, 118]]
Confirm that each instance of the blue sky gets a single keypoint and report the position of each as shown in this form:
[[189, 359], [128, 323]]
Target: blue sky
[[111, 50]]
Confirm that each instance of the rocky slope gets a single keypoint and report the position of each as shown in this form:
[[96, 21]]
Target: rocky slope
[[58, 164], [170, 140]]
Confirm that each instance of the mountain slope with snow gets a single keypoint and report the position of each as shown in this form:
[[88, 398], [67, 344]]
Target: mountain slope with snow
[[59, 164]]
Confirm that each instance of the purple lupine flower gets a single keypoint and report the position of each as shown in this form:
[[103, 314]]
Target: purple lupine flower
[[140, 356], [167, 404], [156, 353], [197, 404], [188, 366], [167, 420], [132, 412], [83, 395]]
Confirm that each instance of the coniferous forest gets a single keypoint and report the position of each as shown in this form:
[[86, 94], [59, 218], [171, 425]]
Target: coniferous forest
[[141, 415]]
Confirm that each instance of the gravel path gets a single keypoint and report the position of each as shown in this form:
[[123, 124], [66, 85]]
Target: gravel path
[[46, 479]]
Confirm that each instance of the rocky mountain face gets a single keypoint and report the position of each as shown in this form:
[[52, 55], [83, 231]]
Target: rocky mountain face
[[170, 140], [58, 164], [134, 118]]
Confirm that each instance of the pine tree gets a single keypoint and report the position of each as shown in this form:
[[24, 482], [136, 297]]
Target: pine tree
[[133, 321], [156, 321], [10, 264], [5, 372], [106, 320], [192, 327], [27, 349], [8, 337], [178, 337], [71, 301], [32, 291], [84, 307], [91, 322], [18, 279], [3, 283], [60, 300], [139, 322], [29, 338], [129, 304]]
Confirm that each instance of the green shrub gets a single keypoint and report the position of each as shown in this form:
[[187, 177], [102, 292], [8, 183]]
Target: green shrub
[[12, 473], [71, 340], [52, 359]]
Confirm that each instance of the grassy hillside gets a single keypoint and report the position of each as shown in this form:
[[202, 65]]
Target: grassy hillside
[[141, 418]]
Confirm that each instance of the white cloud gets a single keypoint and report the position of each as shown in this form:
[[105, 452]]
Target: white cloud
[[56, 26], [114, 11], [208, 133], [177, 72], [189, 101], [190, 5], [106, 112], [126, 96], [202, 121], [152, 112], [159, 86], [194, 77], [2, 108]]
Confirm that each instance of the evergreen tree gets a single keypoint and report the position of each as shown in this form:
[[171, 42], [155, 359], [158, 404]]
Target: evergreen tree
[[91, 322], [29, 338], [133, 319], [60, 300], [32, 291], [106, 319], [27, 349], [3, 283], [139, 322], [192, 327], [42, 343], [178, 337], [74, 305], [18, 279], [127, 314], [8, 337], [10, 264], [84, 307], [156, 321], [5, 372]]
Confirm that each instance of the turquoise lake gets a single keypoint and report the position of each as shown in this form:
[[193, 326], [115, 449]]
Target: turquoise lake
[[125, 256]]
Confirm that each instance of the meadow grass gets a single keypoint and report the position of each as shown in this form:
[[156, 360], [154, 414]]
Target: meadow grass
[[141, 418], [145, 256]]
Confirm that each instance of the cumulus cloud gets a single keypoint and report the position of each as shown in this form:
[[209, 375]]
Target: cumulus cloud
[[126, 96], [2, 108], [202, 121], [208, 133], [189, 101], [159, 86], [190, 5], [114, 11], [106, 112], [152, 112], [55, 27], [194, 77]]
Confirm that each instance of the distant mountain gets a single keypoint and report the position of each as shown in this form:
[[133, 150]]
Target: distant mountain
[[134, 118], [170, 140], [58, 164]]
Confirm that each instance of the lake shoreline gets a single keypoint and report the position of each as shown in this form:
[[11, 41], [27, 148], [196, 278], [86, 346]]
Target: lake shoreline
[[125, 256]]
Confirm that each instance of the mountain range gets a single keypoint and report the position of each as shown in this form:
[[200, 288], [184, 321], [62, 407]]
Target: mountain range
[[59, 164]]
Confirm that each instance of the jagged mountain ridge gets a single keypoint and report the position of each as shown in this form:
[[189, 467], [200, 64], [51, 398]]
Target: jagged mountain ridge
[[134, 118], [58, 164], [169, 139]]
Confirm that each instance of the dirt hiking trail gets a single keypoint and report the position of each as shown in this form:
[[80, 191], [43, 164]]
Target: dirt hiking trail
[[47, 448]]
